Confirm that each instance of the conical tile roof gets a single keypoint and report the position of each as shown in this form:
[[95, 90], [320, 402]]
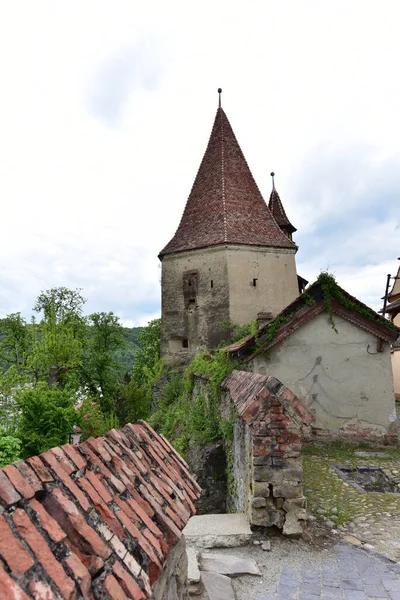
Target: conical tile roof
[[276, 207], [225, 205]]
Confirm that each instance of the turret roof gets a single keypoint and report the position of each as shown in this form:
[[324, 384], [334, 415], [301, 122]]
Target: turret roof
[[276, 207], [225, 205]]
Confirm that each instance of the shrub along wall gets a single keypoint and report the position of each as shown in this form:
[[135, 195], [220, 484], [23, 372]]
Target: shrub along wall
[[101, 520]]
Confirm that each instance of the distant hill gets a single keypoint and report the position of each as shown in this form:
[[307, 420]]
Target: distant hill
[[126, 356]]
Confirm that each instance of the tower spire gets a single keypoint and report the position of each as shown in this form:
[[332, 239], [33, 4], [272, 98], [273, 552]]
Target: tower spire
[[219, 97], [276, 207]]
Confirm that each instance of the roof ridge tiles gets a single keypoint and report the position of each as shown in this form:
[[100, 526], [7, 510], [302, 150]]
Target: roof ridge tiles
[[225, 205], [83, 514]]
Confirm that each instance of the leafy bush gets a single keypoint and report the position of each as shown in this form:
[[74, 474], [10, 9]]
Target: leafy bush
[[10, 448], [46, 418]]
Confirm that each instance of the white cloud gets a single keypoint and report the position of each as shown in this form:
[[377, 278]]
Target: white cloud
[[106, 109]]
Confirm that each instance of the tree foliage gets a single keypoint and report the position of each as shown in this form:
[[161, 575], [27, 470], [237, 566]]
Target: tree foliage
[[46, 418], [52, 369]]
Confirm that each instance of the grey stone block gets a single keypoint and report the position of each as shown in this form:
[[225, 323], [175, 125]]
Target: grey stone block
[[287, 490], [258, 502], [261, 488], [218, 587], [229, 565]]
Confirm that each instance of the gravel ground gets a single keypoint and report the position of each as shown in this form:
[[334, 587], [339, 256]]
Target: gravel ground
[[299, 571]]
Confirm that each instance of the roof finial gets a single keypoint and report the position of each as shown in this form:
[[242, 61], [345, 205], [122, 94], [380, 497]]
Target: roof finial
[[219, 100], [273, 182]]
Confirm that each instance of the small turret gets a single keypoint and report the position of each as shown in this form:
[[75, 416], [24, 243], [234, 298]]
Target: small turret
[[276, 207]]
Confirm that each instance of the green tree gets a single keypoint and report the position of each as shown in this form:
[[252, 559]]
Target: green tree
[[15, 342], [148, 366], [101, 370], [148, 355], [59, 338], [46, 418]]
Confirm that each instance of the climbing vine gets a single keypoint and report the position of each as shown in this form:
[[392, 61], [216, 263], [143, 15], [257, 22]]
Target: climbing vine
[[187, 416], [330, 290]]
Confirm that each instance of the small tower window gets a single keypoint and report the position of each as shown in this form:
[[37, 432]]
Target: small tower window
[[211, 283], [185, 343], [255, 282]]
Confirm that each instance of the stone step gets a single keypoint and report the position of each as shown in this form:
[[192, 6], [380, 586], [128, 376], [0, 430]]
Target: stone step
[[218, 531], [228, 564], [218, 587], [195, 585]]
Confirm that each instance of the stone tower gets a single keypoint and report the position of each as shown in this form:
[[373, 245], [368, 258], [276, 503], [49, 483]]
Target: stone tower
[[231, 256]]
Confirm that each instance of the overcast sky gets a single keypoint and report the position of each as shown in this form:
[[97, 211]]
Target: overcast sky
[[105, 113]]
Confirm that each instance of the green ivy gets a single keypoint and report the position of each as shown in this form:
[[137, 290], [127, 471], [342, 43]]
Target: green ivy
[[185, 418], [331, 290]]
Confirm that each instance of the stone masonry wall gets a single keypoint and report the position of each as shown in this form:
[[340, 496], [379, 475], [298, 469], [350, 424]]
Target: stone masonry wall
[[268, 476], [98, 521]]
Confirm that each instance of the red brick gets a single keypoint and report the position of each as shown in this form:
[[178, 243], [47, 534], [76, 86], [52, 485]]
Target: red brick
[[62, 460], [114, 589], [115, 443], [106, 514], [8, 494], [153, 539], [43, 553], [20, 483], [74, 455], [303, 412], [171, 531], [157, 452], [144, 516], [175, 517], [128, 584], [41, 471], [95, 460], [66, 479], [287, 395], [12, 551], [99, 448], [81, 575], [154, 561], [66, 513], [29, 475], [142, 503], [47, 522], [40, 590], [9, 589], [94, 479]]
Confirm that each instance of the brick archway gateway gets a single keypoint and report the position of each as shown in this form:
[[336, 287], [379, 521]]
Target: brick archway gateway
[[266, 479]]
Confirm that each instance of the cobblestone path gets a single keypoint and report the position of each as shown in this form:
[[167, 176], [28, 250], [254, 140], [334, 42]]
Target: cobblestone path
[[372, 518], [349, 574]]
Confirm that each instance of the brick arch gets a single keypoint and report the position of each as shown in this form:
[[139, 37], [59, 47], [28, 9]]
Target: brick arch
[[270, 424]]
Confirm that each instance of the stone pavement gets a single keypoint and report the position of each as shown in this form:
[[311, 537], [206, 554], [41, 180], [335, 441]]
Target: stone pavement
[[349, 574], [373, 518]]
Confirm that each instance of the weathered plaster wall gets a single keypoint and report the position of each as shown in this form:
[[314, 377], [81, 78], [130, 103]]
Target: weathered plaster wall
[[396, 372], [349, 390], [275, 271], [200, 322], [203, 288]]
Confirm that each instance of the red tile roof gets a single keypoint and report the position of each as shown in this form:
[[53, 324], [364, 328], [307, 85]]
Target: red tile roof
[[225, 205], [276, 207], [101, 515]]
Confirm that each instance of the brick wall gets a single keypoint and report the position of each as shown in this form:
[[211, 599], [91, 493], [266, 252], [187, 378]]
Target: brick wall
[[266, 450], [101, 520]]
